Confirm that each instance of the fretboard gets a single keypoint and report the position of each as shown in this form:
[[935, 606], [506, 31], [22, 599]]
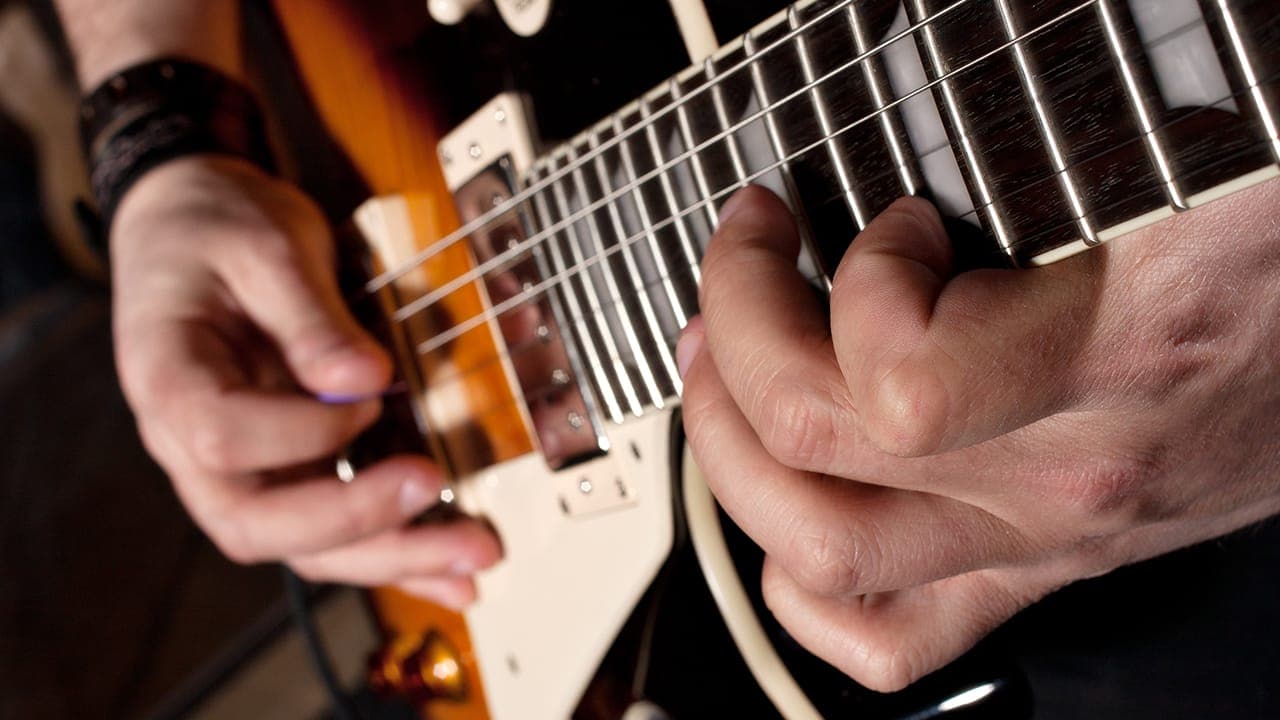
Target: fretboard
[[1044, 126]]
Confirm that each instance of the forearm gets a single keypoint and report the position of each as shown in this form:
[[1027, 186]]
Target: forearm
[[109, 36]]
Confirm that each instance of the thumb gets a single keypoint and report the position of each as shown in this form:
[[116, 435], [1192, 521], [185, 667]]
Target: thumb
[[293, 297]]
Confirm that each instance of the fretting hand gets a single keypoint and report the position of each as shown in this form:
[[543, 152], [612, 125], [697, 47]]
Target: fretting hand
[[228, 322], [943, 450]]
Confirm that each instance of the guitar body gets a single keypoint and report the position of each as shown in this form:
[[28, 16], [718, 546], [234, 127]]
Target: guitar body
[[624, 591]]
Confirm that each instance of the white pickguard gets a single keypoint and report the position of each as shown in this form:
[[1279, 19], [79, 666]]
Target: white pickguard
[[550, 610]]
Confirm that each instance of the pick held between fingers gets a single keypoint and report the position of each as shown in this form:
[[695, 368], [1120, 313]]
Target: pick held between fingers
[[287, 286], [183, 374]]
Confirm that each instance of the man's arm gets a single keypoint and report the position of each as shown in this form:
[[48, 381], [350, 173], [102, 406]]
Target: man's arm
[[111, 36], [229, 324]]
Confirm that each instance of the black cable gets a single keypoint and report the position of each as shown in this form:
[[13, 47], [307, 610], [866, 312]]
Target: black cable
[[296, 590]]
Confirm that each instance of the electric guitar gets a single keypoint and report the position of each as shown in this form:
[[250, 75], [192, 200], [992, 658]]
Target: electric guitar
[[533, 266]]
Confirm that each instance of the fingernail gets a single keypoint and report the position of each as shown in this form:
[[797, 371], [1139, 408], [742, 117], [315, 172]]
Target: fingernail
[[689, 344], [416, 495], [733, 206]]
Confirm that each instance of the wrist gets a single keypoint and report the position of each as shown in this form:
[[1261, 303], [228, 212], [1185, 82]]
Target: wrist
[[191, 186], [154, 113]]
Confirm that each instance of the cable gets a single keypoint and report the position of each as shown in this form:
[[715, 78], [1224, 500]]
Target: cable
[[296, 590]]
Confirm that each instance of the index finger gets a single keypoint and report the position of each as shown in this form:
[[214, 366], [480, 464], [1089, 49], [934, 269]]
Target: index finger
[[768, 335], [184, 376]]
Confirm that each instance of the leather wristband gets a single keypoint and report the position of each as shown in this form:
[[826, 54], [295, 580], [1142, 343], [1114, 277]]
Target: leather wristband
[[161, 110]]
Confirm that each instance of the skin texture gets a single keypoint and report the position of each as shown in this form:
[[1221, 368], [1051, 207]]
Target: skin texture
[[934, 454], [942, 450], [228, 321]]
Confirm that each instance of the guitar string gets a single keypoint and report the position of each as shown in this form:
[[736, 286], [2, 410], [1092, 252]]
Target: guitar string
[[514, 351], [1076, 81], [1085, 160], [504, 260], [576, 269], [518, 250], [494, 214], [532, 293]]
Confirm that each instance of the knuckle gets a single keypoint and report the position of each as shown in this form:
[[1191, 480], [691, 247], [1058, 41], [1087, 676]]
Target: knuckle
[[214, 446], [231, 538], [357, 519], [1110, 494], [890, 667], [827, 560], [1182, 338], [908, 411], [795, 427], [255, 246]]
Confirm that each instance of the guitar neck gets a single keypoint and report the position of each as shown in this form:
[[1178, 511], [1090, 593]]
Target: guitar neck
[[1047, 126]]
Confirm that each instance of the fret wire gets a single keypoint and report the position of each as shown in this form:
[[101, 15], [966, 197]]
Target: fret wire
[[875, 81], [966, 145], [646, 308], [655, 248], [1047, 131], [512, 254], [607, 394], [780, 151], [1243, 152], [1250, 77], [593, 296], [699, 176], [722, 117], [548, 283], [611, 287], [1155, 151], [668, 192], [843, 173], [499, 211], [512, 351], [454, 285]]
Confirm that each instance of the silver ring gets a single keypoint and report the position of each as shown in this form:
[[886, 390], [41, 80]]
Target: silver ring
[[346, 471]]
